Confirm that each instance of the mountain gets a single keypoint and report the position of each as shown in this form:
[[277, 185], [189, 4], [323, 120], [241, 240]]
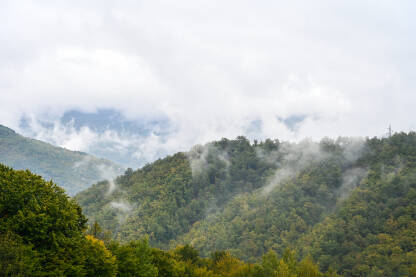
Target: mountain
[[72, 170], [348, 203], [116, 137], [165, 198], [43, 233]]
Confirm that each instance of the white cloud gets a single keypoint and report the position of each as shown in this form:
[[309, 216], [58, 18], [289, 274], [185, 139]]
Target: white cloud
[[210, 67]]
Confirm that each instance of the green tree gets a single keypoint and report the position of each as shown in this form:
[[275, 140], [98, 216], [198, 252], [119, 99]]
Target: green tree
[[99, 261], [42, 231], [134, 259], [16, 258]]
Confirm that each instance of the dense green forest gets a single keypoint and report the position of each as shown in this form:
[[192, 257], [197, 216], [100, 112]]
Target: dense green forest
[[73, 171], [164, 199], [348, 204], [227, 208], [44, 233]]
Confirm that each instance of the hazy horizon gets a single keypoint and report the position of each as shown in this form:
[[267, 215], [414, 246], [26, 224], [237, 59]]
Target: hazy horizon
[[139, 80]]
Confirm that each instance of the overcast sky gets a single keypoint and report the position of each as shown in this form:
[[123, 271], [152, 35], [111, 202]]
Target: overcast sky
[[210, 68]]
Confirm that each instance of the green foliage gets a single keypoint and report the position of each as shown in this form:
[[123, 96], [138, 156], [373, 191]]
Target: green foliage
[[252, 223], [42, 215], [187, 253], [72, 170], [99, 260], [167, 197], [373, 232], [270, 265], [348, 205], [96, 231], [134, 259], [166, 264], [44, 229], [42, 234], [16, 258], [185, 261]]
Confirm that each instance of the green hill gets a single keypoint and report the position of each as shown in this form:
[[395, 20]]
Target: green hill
[[373, 231], [43, 233], [163, 199], [349, 203], [74, 171]]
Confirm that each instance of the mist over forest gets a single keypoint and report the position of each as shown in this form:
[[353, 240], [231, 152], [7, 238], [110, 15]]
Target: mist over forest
[[230, 207], [252, 198], [207, 138]]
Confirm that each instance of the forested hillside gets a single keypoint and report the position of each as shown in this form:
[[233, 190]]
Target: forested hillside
[[43, 233], [165, 198], [74, 171], [373, 232], [348, 203]]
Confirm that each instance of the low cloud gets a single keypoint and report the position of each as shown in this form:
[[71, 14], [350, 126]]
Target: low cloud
[[109, 173], [123, 209], [209, 72], [292, 158], [351, 179], [198, 157]]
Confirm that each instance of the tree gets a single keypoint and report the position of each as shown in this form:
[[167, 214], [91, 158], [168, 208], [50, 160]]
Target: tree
[[16, 258], [42, 231], [99, 261], [134, 258]]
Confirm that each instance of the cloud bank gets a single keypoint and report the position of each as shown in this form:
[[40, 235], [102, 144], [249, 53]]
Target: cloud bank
[[210, 69]]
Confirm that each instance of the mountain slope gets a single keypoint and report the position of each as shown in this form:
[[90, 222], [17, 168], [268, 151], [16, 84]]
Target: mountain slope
[[358, 219], [163, 199], [373, 232], [42, 233], [349, 203], [74, 171]]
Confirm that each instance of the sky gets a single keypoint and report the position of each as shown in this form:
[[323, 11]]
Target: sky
[[189, 72]]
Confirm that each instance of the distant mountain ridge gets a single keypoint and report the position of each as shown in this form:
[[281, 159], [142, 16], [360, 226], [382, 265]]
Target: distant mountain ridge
[[115, 137], [72, 170]]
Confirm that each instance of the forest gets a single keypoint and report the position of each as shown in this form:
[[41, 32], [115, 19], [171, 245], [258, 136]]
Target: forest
[[44, 233], [228, 208], [349, 204]]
